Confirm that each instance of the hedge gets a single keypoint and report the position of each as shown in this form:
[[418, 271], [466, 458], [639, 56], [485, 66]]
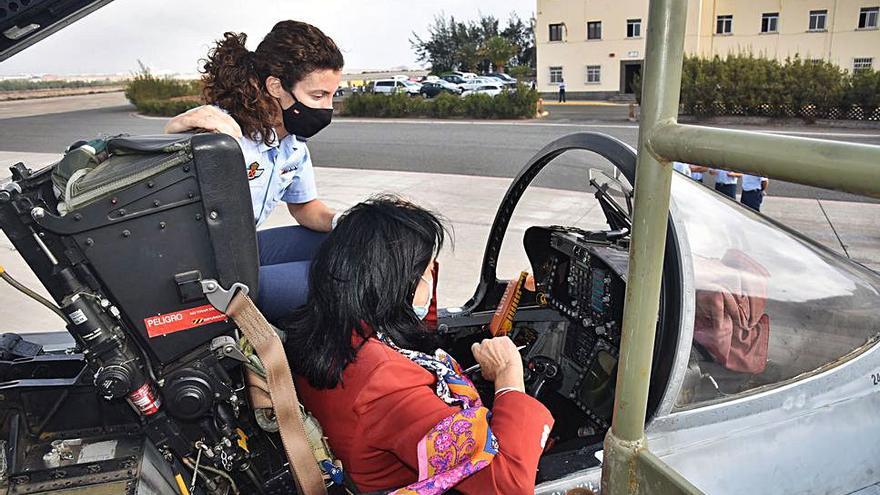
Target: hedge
[[162, 96], [168, 108], [521, 103], [169, 97], [751, 86]]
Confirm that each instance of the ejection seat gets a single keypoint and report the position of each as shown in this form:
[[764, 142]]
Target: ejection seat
[[157, 219], [161, 228]]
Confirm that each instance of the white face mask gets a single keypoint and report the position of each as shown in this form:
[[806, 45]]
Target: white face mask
[[422, 311]]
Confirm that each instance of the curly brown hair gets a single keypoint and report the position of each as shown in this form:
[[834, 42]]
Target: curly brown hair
[[234, 77]]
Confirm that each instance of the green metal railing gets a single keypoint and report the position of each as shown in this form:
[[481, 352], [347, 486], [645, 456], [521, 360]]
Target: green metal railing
[[629, 467]]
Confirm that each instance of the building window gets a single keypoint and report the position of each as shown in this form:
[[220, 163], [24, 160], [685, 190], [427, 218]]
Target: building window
[[555, 75], [868, 17], [817, 20], [724, 24], [770, 22], [594, 30], [633, 28], [594, 74], [863, 64], [555, 32]]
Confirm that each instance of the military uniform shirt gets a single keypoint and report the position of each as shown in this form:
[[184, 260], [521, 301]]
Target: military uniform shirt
[[752, 182], [278, 172], [722, 177], [682, 167]]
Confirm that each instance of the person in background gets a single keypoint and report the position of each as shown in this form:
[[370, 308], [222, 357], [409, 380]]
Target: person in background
[[683, 168], [562, 91], [753, 190], [725, 182], [697, 172]]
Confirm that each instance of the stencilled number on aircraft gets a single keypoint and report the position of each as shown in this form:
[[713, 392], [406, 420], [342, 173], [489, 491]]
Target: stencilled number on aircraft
[[875, 378]]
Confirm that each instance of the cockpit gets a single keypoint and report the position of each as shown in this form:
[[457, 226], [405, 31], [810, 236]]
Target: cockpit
[[747, 305]]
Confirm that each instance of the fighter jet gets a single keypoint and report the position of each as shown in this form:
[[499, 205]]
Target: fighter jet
[[765, 375]]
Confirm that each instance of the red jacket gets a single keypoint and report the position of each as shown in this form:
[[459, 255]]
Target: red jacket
[[386, 403]]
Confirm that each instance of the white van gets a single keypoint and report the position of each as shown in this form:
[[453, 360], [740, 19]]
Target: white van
[[391, 86]]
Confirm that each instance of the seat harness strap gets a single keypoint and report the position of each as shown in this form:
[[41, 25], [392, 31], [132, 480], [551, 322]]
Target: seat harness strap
[[267, 345]]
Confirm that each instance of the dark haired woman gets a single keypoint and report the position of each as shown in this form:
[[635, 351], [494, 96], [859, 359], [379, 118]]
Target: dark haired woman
[[272, 100], [397, 411]]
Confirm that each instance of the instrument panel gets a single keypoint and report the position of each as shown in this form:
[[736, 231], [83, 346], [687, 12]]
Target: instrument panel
[[588, 282], [583, 277]]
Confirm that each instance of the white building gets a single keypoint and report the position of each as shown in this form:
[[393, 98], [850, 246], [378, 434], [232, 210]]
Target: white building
[[598, 46]]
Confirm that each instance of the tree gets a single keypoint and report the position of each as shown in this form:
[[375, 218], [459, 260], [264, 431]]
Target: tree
[[521, 35], [498, 51], [456, 45], [520, 71], [440, 48], [467, 40]]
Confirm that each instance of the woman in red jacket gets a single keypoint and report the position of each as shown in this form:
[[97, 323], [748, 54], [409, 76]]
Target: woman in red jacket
[[396, 410]]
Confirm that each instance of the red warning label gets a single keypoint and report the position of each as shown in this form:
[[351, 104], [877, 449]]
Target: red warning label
[[182, 320]]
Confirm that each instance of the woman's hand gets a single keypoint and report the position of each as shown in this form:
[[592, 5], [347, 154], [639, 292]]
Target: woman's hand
[[500, 362], [207, 117]]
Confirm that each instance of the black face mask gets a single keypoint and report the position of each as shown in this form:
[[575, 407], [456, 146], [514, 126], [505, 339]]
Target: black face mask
[[304, 121]]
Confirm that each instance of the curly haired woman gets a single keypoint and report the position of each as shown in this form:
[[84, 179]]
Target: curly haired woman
[[272, 99]]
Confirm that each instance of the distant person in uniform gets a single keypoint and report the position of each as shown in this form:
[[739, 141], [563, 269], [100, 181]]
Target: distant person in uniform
[[697, 172], [272, 99], [753, 190], [725, 182], [561, 91], [682, 168]]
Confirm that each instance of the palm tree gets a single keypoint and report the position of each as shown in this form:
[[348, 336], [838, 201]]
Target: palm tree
[[499, 51]]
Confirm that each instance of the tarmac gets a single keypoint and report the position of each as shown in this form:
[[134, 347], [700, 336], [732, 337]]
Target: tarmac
[[59, 104], [469, 205]]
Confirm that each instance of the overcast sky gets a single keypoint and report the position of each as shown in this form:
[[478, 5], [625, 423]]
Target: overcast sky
[[171, 35]]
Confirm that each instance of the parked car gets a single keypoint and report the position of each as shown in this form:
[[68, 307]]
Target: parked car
[[432, 89], [453, 78], [485, 89], [505, 78], [478, 82], [340, 92], [391, 86], [412, 88]]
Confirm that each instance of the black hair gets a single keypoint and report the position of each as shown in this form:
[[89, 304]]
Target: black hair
[[363, 280]]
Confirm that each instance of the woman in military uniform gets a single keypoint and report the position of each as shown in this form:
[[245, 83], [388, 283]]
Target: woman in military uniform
[[272, 100]]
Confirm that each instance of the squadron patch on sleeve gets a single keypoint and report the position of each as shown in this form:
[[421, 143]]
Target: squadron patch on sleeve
[[254, 171]]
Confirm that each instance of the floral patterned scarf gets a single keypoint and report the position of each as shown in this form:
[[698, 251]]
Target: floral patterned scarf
[[460, 444]]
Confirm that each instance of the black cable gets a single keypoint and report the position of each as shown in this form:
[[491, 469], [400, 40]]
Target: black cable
[[33, 295]]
